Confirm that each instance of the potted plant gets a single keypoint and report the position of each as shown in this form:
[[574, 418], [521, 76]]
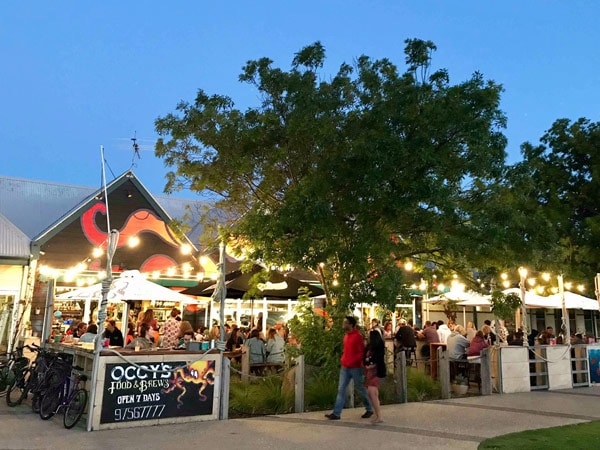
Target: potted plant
[[504, 306], [460, 385]]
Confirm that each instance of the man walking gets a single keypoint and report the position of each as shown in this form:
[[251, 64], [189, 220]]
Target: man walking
[[352, 369]]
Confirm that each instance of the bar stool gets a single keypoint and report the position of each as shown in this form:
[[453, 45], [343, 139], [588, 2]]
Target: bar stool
[[411, 355]]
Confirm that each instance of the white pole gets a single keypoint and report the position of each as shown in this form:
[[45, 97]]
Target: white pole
[[111, 247], [566, 326], [524, 325]]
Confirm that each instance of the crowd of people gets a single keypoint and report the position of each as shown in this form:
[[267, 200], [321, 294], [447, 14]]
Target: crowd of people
[[144, 332]]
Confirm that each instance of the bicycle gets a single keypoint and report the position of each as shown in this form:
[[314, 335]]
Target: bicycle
[[33, 379], [68, 394], [9, 368]]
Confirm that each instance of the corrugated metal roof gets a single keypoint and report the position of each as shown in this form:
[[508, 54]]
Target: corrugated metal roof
[[13, 242], [33, 206]]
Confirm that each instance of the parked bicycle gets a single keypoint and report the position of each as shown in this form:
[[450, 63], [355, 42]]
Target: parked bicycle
[[69, 395], [9, 368], [34, 379]]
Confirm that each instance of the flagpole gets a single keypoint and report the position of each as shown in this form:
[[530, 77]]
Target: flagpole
[[111, 247]]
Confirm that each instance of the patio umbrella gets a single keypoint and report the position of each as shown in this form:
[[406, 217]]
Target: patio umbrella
[[238, 283], [130, 286], [574, 301]]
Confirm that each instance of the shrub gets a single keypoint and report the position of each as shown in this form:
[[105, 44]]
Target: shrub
[[260, 397]]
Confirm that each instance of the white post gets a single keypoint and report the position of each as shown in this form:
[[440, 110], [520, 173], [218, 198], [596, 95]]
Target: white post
[[524, 325], [566, 326]]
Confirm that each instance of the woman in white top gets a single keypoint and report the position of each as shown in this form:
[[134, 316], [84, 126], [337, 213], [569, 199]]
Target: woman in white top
[[90, 334], [275, 347]]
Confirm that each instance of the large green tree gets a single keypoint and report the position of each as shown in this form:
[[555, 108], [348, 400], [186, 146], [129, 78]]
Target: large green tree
[[558, 183], [359, 171]]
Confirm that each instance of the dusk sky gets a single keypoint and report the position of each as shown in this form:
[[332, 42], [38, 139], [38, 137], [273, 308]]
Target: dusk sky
[[77, 75]]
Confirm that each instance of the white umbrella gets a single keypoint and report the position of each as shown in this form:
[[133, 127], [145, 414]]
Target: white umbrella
[[131, 285], [533, 300], [574, 301]]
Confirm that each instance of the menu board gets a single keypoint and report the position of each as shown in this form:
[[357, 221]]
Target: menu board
[[135, 392]]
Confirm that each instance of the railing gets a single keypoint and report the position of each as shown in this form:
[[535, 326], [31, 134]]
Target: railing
[[580, 371]]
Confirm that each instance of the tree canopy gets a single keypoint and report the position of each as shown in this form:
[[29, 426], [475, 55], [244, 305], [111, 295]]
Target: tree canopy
[[354, 173], [557, 184]]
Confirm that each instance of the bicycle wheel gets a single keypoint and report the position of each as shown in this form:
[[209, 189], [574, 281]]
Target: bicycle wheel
[[50, 402], [75, 408], [7, 378], [17, 392]]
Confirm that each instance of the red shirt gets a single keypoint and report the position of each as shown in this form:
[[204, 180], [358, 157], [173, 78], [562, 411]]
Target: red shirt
[[354, 350]]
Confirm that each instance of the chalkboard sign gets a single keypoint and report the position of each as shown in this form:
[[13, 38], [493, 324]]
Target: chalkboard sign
[[139, 392]]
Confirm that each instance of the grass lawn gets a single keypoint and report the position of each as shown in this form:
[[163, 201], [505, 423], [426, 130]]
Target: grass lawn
[[580, 436]]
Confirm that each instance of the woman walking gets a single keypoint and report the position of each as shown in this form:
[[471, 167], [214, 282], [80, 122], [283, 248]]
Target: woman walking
[[375, 369]]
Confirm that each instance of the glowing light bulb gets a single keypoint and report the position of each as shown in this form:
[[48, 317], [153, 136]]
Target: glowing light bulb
[[186, 249], [133, 241], [97, 252], [335, 282], [408, 265], [546, 276]]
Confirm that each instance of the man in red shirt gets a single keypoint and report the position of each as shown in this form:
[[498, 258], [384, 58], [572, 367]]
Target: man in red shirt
[[352, 369]]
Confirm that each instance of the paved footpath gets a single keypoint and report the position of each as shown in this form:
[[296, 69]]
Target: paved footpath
[[456, 424]]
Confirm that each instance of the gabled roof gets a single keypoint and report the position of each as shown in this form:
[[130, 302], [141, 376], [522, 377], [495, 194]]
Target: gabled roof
[[14, 244], [37, 207]]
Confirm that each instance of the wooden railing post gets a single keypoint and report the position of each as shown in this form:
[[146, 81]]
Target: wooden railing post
[[443, 364], [245, 364], [401, 387], [299, 385], [486, 372]]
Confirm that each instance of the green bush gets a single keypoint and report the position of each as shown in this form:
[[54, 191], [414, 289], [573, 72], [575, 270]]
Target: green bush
[[320, 393], [421, 387], [259, 397]]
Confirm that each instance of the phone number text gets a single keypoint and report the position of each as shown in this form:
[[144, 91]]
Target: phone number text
[[139, 413]]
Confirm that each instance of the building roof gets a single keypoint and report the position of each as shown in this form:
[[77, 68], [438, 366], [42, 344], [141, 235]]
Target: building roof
[[14, 244], [35, 206]]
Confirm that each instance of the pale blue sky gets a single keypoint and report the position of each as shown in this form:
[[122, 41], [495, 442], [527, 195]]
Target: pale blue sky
[[78, 74]]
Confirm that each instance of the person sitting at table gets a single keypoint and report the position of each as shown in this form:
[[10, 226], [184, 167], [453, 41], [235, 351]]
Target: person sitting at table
[[445, 330], [457, 343], [405, 339], [477, 344], [142, 340], [235, 341], [90, 334], [80, 330], [184, 328], [256, 347], [275, 347], [187, 337], [489, 332], [546, 336], [113, 334], [429, 333]]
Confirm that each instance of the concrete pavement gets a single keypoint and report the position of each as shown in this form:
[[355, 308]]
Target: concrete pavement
[[456, 424]]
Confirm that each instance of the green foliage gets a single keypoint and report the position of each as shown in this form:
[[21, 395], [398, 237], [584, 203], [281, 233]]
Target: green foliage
[[461, 379], [421, 387], [320, 392], [262, 396], [321, 337], [359, 170], [554, 193], [504, 306]]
